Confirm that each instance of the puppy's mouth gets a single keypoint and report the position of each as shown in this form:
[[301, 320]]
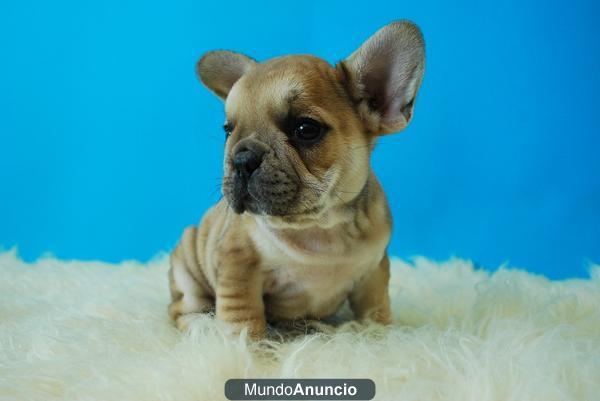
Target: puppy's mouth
[[239, 199], [263, 192]]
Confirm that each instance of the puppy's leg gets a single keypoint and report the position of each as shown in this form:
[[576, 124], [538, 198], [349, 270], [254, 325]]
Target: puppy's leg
[[370, 299], [190, 293], [239, 300]]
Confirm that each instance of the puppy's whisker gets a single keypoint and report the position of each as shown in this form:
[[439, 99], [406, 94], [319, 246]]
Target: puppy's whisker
[[216, 188], [362, 146]]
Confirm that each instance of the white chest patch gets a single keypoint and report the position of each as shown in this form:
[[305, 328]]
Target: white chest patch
[[317, 265]]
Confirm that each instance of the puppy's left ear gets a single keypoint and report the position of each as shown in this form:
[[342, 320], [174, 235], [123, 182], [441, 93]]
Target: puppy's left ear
[[384, 75]]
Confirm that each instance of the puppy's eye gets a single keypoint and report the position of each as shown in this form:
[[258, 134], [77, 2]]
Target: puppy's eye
[[308, 130], [227, 128]]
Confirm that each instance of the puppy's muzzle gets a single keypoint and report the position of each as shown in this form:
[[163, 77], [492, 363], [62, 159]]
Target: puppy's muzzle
[[260, 183], [247, 158]]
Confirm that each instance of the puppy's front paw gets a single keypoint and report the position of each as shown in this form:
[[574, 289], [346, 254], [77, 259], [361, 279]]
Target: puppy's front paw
[[256, 328], [183, 322], [381, 316]]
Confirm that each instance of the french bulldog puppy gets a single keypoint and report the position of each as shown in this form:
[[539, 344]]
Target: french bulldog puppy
[[304, 223]]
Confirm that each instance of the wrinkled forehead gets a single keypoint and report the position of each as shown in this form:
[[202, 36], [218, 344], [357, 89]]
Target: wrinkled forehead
[[280, 85]]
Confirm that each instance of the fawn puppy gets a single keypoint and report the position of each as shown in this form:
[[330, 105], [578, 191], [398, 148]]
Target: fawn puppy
[[304, 223]]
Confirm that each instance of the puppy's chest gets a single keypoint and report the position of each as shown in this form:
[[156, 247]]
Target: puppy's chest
[[310, 286], [310, 273], [312, 290], [281, 277]]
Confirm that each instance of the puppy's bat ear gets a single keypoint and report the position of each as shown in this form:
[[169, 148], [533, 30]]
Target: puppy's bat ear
[[220, 69], [384, 75]]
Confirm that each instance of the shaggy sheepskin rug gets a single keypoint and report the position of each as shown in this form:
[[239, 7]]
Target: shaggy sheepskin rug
[[73, 330]]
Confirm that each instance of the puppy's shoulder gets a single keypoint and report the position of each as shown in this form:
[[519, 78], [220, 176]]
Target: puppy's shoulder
[[230, 235]]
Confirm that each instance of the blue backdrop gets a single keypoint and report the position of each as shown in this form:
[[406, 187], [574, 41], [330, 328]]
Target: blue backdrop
[[109, 145]]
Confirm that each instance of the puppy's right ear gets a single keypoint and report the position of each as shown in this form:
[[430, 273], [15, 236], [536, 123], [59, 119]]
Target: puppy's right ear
[[220, 69]]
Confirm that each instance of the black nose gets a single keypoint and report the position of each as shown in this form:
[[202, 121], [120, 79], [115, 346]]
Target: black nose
[[247, 161]]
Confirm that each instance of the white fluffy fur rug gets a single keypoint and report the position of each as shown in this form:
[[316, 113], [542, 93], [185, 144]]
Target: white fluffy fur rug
[[93, 331]]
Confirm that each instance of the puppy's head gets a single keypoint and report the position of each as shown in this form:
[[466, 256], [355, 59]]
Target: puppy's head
[[300, 131]]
